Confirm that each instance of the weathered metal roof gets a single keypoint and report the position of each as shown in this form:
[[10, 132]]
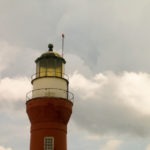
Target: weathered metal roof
[[50, 54]]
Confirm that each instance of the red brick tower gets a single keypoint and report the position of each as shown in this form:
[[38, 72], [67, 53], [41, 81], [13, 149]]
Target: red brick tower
[[49, 104]]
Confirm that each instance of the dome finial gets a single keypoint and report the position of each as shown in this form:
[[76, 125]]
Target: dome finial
[[50, 46]]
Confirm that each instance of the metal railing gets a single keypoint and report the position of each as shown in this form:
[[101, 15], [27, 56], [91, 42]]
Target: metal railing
[[50, 92], [49, 74]]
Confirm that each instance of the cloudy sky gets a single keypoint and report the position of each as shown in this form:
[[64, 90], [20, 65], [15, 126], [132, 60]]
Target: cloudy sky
[[107, 48]]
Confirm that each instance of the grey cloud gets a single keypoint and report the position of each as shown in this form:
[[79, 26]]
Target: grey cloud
[[14, 123], [7, 55], [18, 61], [108, 36], [30, 23]]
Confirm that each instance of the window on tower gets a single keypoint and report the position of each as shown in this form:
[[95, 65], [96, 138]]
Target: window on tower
[[48, 143]]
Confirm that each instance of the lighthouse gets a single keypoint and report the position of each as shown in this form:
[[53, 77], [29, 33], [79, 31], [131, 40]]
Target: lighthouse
[[49, 104]]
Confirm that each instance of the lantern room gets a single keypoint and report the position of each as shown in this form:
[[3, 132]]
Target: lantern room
[[50, 64]]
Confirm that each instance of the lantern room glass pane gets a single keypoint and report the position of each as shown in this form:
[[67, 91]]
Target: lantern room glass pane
[[54, 67], [51, 67], [37, 70], [43, 64], [59, 68], [63, 69]]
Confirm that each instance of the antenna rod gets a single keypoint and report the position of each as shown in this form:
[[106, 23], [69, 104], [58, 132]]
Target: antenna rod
[[63, 36]]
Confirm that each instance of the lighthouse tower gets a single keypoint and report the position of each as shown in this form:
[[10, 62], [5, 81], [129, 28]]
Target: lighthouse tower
[[49, 104]]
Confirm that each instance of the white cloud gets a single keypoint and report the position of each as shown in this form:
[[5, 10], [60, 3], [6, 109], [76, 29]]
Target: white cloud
[[148, 147], [14, 89], [111, 145], [135, 90], [4, 148], [13, 92], [93, 137], [112, 103]]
